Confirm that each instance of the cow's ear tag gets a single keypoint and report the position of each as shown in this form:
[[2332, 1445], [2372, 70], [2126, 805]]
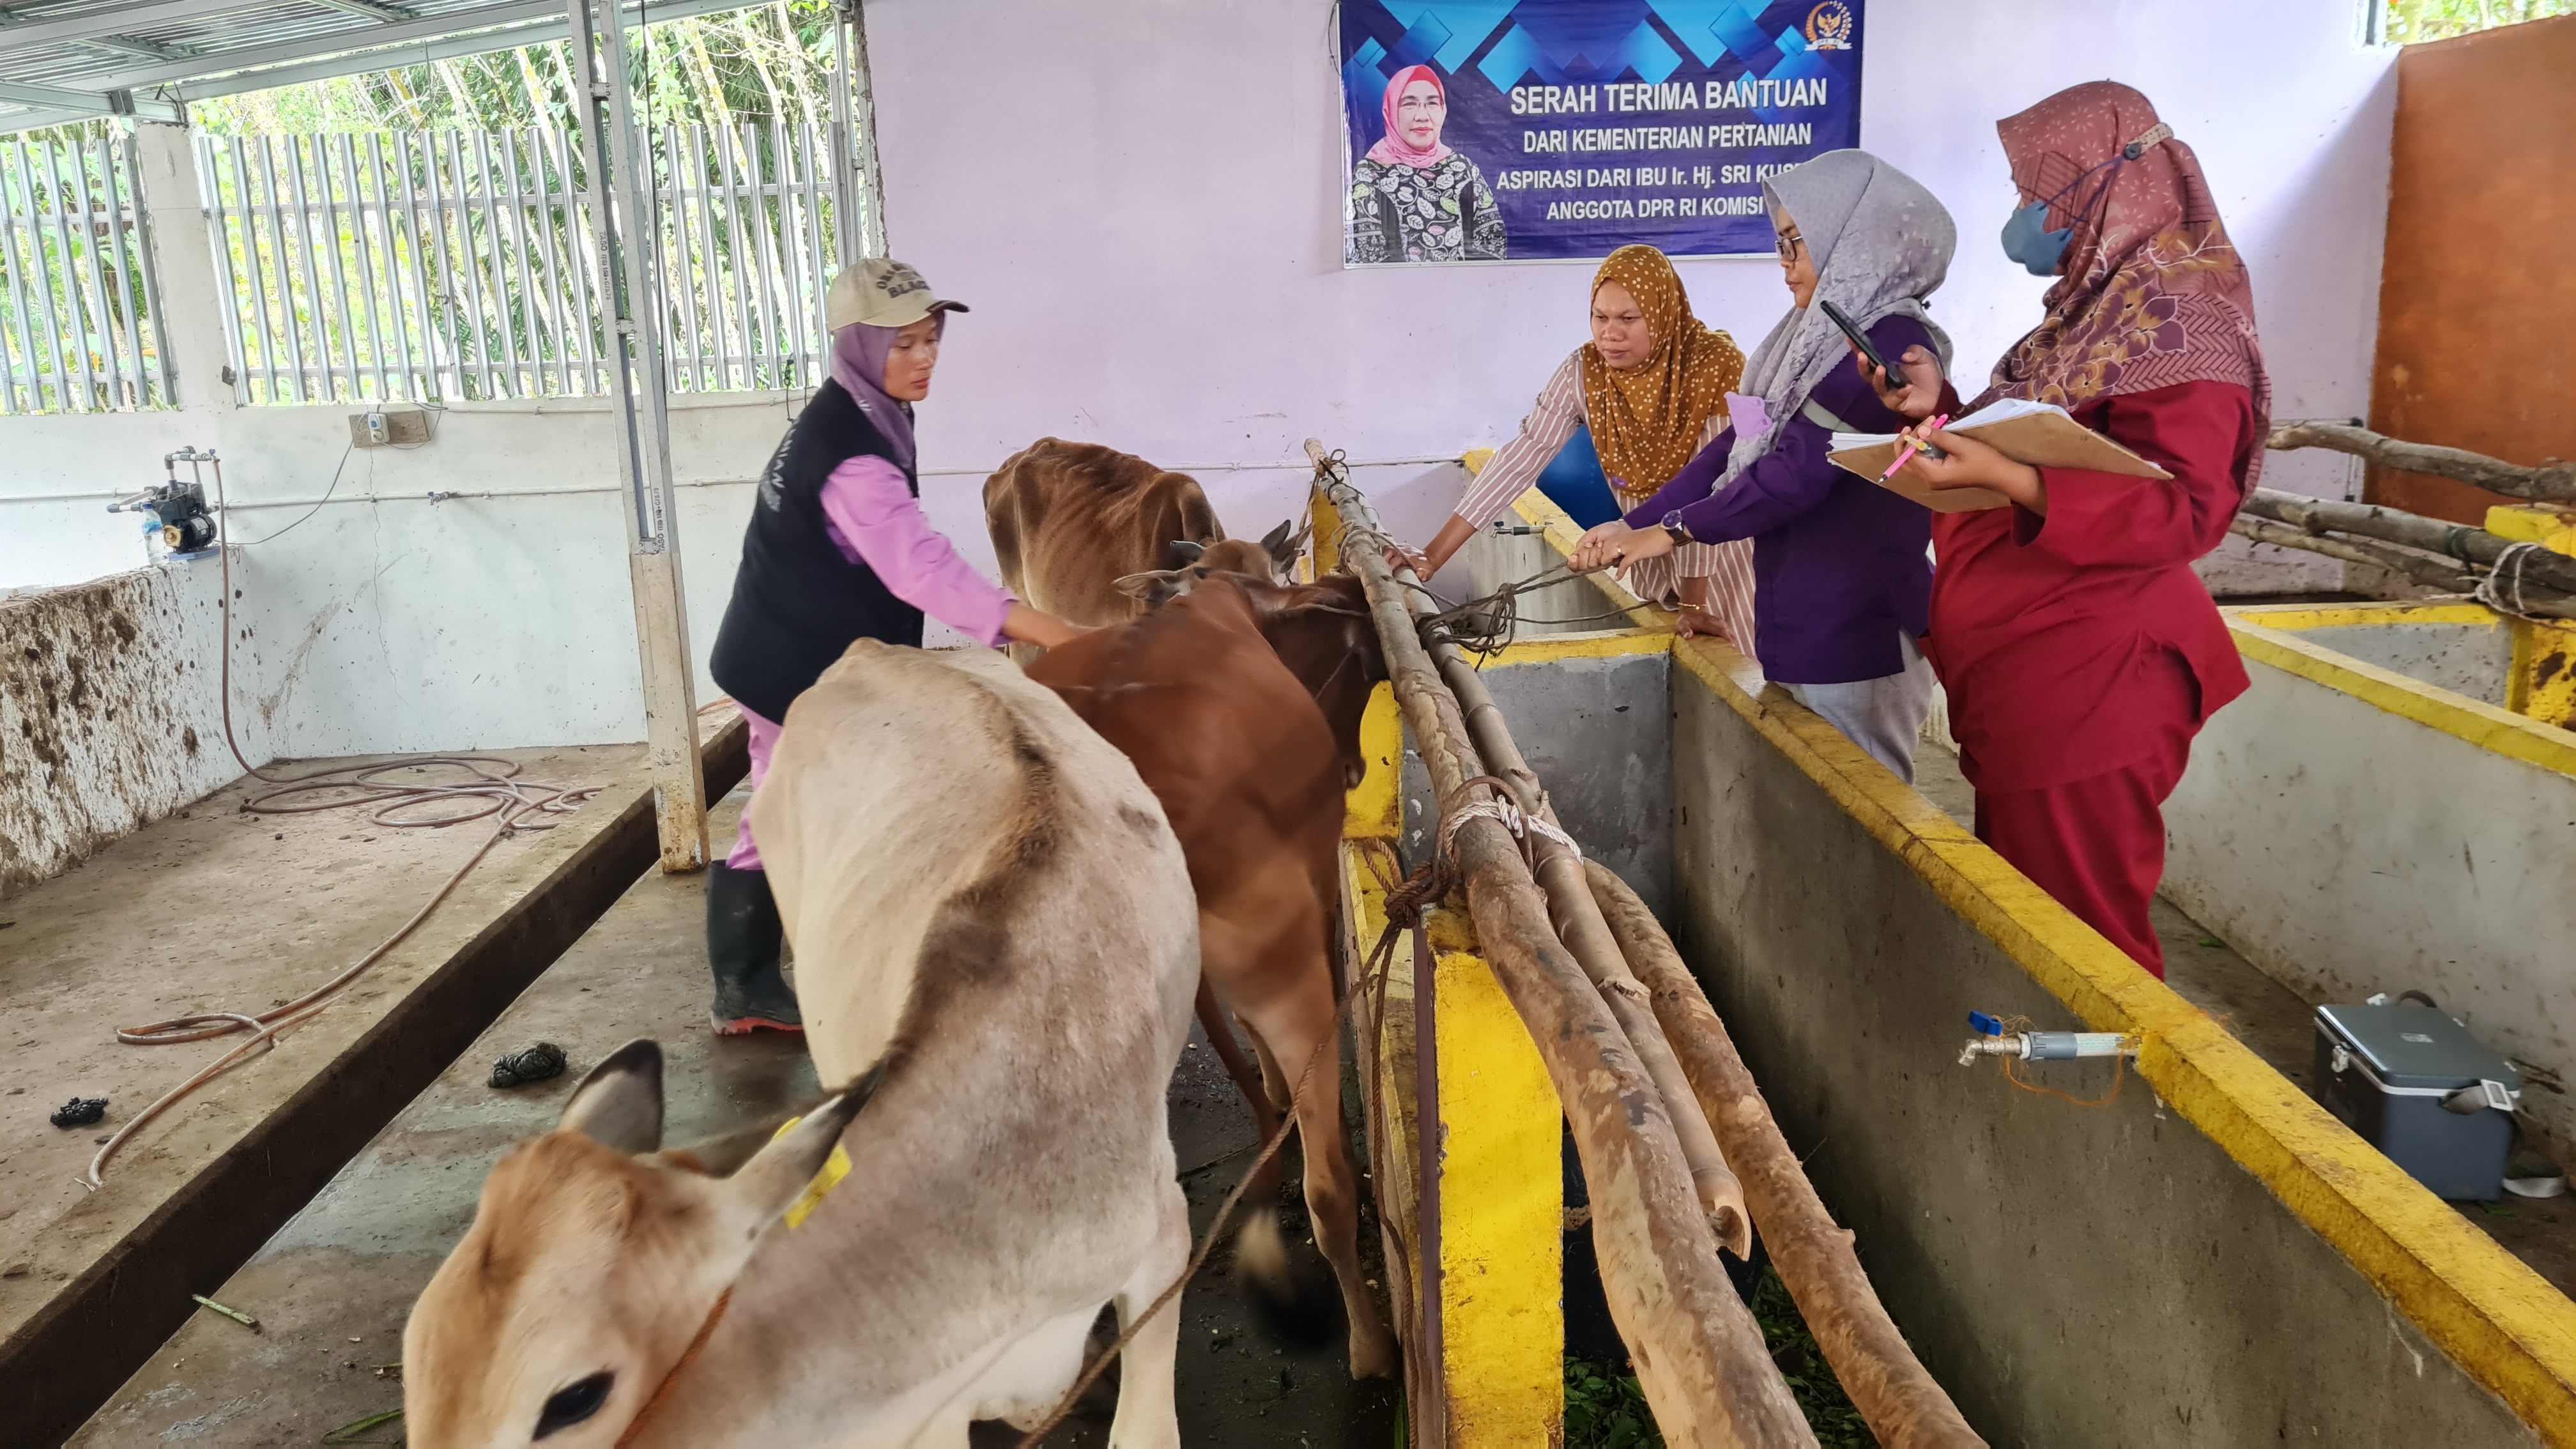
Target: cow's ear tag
[[835, 1167]]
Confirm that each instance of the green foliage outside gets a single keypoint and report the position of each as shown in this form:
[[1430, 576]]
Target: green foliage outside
[[2405, 22], [1605, 1408]]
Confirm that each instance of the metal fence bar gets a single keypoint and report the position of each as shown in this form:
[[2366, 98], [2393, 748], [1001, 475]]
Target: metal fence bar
[[442, 265], [80, 290], [100, 319], [125, 230], [63, 281], [20, 339]]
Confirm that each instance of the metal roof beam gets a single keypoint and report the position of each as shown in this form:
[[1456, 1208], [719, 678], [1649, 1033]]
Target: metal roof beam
[[111, 20], [144, 49], [86, 103], [356, 43], [479, 43], [370, 10]]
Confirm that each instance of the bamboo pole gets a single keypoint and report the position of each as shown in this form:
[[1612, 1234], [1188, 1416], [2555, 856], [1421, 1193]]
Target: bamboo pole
[[2430, 572], [2553, 480], [1571, 910], [1900, 1401], [1698, 1353], [2413, 530]]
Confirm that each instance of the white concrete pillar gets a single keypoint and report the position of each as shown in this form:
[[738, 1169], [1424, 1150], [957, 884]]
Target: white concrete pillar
[[188, 315]]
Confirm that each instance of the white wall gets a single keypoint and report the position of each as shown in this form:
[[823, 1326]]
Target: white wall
[[1141, 200]]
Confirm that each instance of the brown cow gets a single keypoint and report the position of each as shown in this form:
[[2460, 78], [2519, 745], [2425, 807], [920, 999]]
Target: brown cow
[[1250, 773], [1069, 519]]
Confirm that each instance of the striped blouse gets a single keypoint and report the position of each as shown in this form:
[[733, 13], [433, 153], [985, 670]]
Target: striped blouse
[[1515, 466]]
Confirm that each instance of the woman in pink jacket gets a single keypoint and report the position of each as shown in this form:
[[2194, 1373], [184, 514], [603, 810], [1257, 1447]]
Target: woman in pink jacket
[[837, 551]]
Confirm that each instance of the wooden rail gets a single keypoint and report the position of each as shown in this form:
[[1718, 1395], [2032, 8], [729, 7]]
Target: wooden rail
[[1904, 1407], [1698, 1353], [2552, 481]]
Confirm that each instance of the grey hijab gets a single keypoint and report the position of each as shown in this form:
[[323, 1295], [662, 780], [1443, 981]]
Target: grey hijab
[[1880, 244]]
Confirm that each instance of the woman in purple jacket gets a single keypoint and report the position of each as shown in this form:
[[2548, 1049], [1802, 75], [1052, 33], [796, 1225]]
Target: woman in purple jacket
[[1841, 567], [837, 551]]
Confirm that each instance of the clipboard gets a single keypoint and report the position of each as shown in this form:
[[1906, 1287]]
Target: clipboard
[[2026, 432]]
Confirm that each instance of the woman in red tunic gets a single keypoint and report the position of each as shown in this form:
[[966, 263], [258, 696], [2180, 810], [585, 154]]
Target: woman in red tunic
[[2079, 651]]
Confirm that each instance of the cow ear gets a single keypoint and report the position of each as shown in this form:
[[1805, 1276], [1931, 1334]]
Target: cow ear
[[778, 1172], [1276, 540], [1155, 587], [619, 1105], [1186, 552]]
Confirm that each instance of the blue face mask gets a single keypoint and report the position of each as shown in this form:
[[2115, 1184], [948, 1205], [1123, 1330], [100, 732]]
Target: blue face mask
[[2028, 240]]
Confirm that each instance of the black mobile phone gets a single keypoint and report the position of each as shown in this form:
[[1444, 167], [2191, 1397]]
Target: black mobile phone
[[1860, 340]]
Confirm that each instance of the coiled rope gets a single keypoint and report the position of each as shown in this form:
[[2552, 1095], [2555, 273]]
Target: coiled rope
[[492, 792]]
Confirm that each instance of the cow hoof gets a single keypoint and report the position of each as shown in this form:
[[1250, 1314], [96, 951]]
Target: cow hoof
[[1374, 1359], [746, 1025]]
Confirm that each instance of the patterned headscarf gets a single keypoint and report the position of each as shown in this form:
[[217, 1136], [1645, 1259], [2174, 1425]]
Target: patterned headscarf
[[1393, 149], [2153, 293], [1647, 420], [1880, 244]]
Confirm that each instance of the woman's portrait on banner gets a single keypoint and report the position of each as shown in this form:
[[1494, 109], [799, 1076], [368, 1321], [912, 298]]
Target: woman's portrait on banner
[[1413, 197]]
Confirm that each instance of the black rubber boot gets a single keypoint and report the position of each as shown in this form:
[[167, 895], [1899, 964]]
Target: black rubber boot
[[743, 941]]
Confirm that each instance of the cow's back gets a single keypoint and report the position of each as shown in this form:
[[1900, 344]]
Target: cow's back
[[1070, 519], [937, 810], [1221, 731], [984, 898]]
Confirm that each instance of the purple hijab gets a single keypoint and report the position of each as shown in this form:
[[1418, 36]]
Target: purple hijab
[[859, 354]]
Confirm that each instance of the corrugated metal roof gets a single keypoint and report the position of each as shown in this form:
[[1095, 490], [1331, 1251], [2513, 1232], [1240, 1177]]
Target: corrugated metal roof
[[61, 59]]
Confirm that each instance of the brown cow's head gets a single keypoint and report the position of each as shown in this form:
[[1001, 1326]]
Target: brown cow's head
[[593, 1262], [1195, 563]]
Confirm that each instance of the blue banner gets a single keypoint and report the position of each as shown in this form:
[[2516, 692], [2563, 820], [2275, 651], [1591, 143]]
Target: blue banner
[[1532, 130]]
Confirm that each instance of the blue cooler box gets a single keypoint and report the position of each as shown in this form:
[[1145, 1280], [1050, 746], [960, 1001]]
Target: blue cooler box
[[2418, 1087]]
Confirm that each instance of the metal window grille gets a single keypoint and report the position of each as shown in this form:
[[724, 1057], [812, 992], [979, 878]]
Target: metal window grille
[[77, 295], [445, 265]]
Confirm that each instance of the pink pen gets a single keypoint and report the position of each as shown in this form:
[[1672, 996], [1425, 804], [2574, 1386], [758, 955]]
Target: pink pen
[[1911, 449]]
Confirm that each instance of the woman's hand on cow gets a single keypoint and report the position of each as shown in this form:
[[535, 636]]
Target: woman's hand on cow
[[1035, 626], [1916, 393], [1970, 463]]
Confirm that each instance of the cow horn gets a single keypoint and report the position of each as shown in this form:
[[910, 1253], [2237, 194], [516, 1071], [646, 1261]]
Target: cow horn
[[1188, 552]]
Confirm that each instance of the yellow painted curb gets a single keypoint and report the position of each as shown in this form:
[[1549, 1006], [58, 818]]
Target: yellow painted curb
[[2335, 616], [2484, 725]]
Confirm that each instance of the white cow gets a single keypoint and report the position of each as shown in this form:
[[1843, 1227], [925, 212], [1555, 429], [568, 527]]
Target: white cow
[[996, 942]]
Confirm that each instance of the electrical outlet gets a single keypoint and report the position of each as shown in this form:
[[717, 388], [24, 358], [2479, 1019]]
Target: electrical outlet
[[391, 428]]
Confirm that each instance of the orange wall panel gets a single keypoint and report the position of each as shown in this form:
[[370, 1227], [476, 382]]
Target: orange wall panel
[[2477, 300]]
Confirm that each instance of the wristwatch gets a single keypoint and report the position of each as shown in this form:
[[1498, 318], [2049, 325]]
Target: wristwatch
[[1678, 531]]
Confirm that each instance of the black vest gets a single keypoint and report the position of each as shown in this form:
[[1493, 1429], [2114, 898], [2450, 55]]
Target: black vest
[[798, 602]]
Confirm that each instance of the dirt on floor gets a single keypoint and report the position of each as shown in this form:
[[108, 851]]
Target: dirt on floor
[[210, 910]]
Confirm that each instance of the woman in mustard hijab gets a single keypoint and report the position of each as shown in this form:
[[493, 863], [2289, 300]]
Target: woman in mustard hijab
[[1652, 385]]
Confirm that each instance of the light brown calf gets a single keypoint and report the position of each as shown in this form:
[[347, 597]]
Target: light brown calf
[[996, 939], [1070, 519]]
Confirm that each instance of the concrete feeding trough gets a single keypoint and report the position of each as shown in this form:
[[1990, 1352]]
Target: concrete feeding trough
[[2068, 1275], [2392, 807]]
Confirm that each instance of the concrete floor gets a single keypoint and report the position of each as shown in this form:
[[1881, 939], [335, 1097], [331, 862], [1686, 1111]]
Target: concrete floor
[[2280, 1026], [333, 1287], [216, 909]]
